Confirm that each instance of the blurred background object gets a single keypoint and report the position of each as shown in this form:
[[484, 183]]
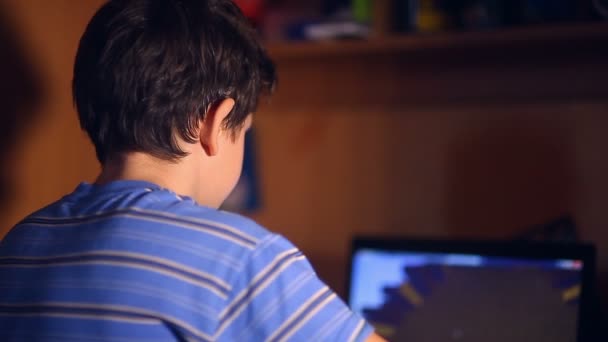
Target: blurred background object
[[246, 197], [601, 7], [20, 94], [346, 18], [44, 153], [253, 9]]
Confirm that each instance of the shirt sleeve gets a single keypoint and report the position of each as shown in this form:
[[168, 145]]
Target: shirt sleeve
[[278, 297]]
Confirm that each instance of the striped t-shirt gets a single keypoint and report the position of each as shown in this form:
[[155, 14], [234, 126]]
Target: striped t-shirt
[[130, 261]]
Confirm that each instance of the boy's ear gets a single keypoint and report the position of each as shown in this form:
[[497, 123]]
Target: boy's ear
[[211, 125]]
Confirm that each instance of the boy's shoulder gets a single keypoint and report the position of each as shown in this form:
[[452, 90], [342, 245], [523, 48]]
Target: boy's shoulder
[[185, 211], [154, 210]]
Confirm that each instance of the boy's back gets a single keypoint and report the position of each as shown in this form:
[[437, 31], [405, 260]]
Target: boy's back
[[130, 261]]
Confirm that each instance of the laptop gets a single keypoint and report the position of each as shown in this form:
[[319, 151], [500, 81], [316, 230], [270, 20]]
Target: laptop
[[473, 291]]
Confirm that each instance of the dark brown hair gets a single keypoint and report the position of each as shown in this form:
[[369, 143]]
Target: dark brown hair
[[147, 70]]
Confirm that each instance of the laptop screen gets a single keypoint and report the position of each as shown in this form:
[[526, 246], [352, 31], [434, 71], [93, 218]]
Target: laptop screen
[[446, 296]]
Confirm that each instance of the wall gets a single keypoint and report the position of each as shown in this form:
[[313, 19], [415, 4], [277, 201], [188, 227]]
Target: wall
[[484, 142], [485, 173], [47, 154]]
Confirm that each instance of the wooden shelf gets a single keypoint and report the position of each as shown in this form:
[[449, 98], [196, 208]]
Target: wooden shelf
[[532, 36], [565, 63]]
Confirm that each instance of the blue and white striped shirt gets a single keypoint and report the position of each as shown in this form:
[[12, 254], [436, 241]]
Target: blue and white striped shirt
[[130, 261]]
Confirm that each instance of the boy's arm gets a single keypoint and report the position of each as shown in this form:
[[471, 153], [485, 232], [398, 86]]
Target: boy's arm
[[278, 297]]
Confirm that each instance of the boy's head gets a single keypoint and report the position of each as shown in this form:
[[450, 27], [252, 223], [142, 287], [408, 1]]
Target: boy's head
[[149, 73]]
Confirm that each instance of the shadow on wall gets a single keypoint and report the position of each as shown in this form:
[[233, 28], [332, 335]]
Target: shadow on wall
[[507, 175], [20, 94]]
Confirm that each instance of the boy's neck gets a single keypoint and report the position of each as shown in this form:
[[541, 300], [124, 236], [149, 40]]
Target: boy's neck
[[175, 176]]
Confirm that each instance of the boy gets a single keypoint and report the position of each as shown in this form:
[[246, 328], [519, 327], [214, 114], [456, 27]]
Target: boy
[[165, 90]]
